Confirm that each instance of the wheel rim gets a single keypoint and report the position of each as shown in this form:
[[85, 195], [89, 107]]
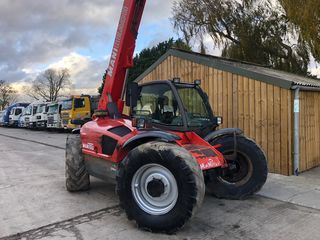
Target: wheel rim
[[242, 172], [154, 189]]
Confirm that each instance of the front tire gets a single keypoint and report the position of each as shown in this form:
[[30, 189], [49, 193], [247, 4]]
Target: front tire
[[160, 186], [77, 177], [248, 173]]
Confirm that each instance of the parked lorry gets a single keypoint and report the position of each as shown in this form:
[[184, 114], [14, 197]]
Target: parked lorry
[[78, 108], [54, 115], [30, 119], [14, 116], [41, 116], [167, 152], [24, 117], [8, 110]]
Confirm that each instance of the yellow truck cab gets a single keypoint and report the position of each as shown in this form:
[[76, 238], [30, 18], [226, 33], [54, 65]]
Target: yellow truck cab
[[78, 108]]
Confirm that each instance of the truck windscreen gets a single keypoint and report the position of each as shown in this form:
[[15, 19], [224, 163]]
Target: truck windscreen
[[67, 104]]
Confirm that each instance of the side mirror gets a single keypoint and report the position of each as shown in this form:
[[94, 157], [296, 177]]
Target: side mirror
[[132, 95]]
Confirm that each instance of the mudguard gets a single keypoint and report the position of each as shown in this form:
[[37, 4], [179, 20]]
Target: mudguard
[[149, 136], [223, 132], [76, 131]]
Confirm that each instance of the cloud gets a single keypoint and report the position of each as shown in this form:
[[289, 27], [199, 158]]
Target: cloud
[[86, 73], [36, 33], [315, 71]]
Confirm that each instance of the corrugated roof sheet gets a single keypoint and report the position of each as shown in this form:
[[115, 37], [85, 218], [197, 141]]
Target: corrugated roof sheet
[[254, 71]]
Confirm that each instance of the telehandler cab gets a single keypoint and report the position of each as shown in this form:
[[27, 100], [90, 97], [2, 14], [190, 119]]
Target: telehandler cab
[[167, 153]]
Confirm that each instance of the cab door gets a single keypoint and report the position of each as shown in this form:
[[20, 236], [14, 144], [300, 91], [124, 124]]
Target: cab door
[[81, 108]]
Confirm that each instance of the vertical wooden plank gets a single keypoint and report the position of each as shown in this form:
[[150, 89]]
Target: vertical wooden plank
[[317, 131], [240, 103], [302, 132], [284, 154], [215, 86], [264, 122], [252, 102], [317, 128], [307, 128], [165, 70], [230, 102], [220, 93], [246, 122], [258, 123], [211, 89], [205, 78], [277, 129], [270, 134], [235, 116], [225, 98], [290, 131]]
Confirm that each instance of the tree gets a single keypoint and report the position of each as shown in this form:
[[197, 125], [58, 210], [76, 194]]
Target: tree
[[305, 14], [148, 56], [49, 84], [248, 30], [7, 94], [102, 84]]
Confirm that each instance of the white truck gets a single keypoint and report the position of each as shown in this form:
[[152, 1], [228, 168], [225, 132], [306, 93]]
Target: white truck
[[54, 116], [14, 116], [30, 119], [41, 115]]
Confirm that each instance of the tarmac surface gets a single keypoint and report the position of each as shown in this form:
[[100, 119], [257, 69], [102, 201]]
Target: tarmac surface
[[34, 203]]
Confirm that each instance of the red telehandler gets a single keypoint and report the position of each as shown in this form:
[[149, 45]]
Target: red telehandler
[[167, 153]]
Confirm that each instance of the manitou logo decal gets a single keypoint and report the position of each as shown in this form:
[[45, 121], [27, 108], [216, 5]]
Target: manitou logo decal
[[112, 61], [89, 146], [117, 41]]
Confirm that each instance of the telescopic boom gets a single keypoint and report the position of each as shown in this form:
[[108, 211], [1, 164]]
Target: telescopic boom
[[121, 59]]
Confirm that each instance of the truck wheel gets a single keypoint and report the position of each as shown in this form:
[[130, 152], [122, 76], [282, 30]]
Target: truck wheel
[[246, 174], [160, 186], [77, 178]]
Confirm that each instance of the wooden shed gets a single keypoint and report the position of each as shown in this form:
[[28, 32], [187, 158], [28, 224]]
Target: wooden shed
[[263, 102]]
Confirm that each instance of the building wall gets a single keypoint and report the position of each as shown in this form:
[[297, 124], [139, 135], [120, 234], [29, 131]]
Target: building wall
[[309, 130], [263, 111]]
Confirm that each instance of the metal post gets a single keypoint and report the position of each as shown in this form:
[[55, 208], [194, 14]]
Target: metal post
[[296, 141]]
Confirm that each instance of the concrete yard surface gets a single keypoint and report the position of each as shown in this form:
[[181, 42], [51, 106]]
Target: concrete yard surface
[[34, 203]]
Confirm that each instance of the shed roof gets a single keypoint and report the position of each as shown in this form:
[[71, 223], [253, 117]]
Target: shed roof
[[250, 70]]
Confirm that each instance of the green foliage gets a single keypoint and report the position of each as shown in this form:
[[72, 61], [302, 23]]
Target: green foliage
[[100, 89], [148, 56], [248, 30], [305, 14]]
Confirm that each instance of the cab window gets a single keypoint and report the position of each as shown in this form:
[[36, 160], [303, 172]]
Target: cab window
[[79, 103], [28, 111], [18, 111], [34, 110], [158, 102]]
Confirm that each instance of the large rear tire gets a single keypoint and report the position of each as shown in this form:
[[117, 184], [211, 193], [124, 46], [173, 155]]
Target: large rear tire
[[77, 177], [160, 186], [249, 172]]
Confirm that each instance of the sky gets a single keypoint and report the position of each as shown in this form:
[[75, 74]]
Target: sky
[[74, 34]]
